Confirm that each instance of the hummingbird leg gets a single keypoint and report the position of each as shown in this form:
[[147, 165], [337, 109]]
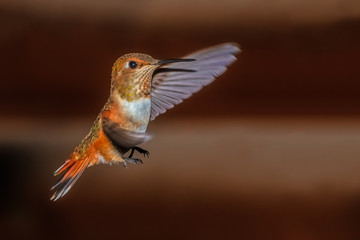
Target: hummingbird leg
[[132, 152], [131, 160], [140, 150]]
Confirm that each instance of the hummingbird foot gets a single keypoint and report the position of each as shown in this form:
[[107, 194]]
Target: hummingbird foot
[[131, 160], [140, 150]]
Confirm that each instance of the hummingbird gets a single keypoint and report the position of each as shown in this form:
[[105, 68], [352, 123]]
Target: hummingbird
[[142, 87]]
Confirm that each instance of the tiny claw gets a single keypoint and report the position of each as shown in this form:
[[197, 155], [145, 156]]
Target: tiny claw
[[137, 161], [140, 150], [133, 160], [146, 154], [124, 164]]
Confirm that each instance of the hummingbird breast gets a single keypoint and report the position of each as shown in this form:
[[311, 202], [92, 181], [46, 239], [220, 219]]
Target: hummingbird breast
[[136, 113]]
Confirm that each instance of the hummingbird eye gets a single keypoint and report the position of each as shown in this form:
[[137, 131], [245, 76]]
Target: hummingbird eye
[[133, 64]]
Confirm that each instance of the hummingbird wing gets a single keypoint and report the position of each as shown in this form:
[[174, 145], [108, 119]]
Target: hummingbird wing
[[170, 88], [123, 139]]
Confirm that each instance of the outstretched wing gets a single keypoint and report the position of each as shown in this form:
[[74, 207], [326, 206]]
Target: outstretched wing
[[178, 81]]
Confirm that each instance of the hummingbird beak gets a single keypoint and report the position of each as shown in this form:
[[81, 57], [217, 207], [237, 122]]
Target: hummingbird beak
[[166, 61]]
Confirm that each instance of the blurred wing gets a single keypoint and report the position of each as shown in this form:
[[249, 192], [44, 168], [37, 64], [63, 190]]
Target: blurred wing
[[172, 87], [122, 138]]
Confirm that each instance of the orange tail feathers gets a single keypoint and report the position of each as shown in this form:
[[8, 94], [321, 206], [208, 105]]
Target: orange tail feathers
[[73, 169]]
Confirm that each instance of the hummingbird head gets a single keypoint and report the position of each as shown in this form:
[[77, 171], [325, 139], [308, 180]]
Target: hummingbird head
[[132, 74]]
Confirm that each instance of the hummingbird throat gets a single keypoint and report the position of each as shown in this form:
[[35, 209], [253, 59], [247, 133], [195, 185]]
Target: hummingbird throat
[[135, 86]]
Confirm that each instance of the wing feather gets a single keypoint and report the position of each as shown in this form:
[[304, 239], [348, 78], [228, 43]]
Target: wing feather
[[123, 139], [170, 88]]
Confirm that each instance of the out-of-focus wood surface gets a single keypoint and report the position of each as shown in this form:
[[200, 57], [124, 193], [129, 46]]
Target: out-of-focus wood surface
[[61, 67], [273, 178]]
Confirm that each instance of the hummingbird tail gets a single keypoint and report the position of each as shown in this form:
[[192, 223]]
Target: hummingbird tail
[[72, 169]]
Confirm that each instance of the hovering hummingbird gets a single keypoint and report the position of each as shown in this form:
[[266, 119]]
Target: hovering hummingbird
[[141, 88]]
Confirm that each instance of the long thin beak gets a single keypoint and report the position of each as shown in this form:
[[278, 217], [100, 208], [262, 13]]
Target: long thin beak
[[166, 61]]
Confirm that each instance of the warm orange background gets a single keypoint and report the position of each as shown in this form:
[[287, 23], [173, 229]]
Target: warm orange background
[[270, 150]]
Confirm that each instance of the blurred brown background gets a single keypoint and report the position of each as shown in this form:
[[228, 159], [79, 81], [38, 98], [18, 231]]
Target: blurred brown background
[[270, 150]]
